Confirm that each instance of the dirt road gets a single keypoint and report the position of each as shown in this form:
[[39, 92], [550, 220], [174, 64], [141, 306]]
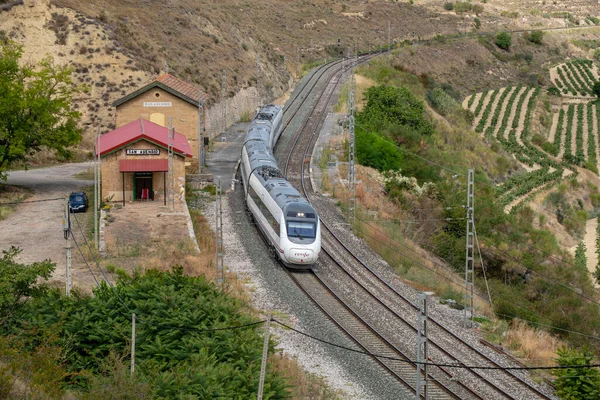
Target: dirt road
[[36, 227]]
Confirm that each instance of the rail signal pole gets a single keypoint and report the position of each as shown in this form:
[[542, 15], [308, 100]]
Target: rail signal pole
[[469, 302]]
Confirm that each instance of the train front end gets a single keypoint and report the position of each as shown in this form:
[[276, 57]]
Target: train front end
[[300, 236]]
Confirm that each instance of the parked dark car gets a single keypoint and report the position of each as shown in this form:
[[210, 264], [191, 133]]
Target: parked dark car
[[78, 202]]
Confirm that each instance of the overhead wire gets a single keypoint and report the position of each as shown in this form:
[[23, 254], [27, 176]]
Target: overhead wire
[[546, 277], [546, 253], [444, 365], [30, 201], [83, 257], [457, 173]]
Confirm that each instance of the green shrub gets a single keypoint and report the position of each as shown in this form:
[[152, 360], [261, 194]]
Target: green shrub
[[374, 151], [477, 9], [553, 91], [441, 101], [477, 22], [449, 6], [536, 37], [597, 54], [503, 40], [462, 6]]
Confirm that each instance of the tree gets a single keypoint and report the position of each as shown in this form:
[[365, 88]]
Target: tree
[[35, 108], [578, 382], [18, 280], [503, 40], [596, 89]]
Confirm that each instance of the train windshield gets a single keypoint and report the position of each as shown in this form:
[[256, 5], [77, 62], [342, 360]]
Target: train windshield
[[301, 230]]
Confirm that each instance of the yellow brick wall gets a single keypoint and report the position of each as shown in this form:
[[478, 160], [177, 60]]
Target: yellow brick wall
[[185, 115], [112, 178]]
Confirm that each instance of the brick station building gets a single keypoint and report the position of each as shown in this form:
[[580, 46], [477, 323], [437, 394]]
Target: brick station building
[[134, 162], [166, 96]]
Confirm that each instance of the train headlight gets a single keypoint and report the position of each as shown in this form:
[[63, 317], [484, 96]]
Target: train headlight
[[300, 215]]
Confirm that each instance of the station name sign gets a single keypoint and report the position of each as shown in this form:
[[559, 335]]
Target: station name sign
[[142, 152], [158, 104]]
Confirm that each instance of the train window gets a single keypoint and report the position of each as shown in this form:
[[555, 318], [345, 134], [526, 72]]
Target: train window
[[301, 230]]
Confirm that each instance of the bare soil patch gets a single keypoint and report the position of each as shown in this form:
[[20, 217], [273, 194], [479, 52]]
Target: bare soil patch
[[146, 235]]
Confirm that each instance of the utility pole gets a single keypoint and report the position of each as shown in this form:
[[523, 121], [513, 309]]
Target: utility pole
[[265, 354], [200, 140], [96, 188], [422, 339], [257, 78], [132, 344], [67, 234], [351, 171], [219, 237], [223, 99], [469, 304], [171, 178], [390, 38]]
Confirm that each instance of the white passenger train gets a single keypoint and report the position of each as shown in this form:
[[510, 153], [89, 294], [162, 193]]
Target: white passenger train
[[286, 219]]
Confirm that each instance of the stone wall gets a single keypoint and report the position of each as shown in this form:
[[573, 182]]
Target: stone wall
[[246, 100]]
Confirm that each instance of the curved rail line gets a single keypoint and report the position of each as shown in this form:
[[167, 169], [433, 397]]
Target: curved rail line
[[310, 134], [363, 333]]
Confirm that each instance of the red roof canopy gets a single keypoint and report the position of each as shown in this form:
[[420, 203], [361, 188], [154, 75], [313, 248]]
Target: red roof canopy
[[142, 129], [143, 165]]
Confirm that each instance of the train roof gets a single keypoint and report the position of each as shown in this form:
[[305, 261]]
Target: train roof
[[268, 112], [259, 130], [283, 193]]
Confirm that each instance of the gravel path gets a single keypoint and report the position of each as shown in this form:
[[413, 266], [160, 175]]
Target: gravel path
[[36, 228]]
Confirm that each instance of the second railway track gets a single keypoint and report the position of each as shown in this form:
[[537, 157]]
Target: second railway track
[[385, 326]]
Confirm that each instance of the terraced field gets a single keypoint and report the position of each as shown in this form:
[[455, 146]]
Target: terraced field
[[574, 134], [575, 78], [504, 115]]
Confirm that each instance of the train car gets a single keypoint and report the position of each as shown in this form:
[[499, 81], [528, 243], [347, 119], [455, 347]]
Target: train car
[[287, 220]]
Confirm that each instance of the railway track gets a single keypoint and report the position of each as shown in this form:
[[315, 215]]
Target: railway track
[[364, 305]]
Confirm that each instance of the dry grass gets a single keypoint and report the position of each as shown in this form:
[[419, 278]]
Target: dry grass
[[306, 385], [11, 194], [532, 345]]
